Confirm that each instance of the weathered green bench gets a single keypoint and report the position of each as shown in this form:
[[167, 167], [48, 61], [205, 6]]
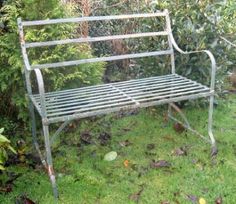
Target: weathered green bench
[[64, 106]]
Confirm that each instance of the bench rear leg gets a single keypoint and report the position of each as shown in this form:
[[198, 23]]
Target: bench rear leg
[[50, 170], [210, 121]]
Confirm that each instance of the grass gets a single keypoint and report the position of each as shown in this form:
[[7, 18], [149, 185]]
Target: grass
[[84, 177]]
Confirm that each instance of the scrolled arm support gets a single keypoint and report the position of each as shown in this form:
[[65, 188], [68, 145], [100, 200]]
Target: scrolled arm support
[[40, 82], [210, 55]]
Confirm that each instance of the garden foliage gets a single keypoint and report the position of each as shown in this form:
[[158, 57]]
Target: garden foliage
[[13, 103], [196, 25], [5, 145]]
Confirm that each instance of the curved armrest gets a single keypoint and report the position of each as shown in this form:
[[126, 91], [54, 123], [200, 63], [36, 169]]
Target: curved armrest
[[40, 82], [210, 55]]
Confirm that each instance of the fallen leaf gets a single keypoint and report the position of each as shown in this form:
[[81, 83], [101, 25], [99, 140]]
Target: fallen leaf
[[179, 128], [125, 143], [126, 163], [136, 196], [110, 156], [23, 199], [104, 138], [6, 189], [28, 201], [165, 202], [192, 198], [150, 146], [202, 201], [179, 152], [219, 200], [86, 137], [159, 164]]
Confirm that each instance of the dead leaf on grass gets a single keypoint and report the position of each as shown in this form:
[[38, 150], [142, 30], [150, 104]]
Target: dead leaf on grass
[[192, 198], [126, 163], [159, 164], [86, 137], [136, 196], [125, 143], [6, 189], [182, 151], [219, 200], [179, 128], [23, 199], [104, 138], [150, 146]]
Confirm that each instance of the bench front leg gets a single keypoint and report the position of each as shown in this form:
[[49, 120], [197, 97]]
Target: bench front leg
[[50, 169], [212, 88], [49, 165]]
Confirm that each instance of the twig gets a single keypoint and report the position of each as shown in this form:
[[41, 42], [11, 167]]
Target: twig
[[232, 44]]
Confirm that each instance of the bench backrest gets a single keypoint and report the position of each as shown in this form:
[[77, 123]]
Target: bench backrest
[[26, 45]]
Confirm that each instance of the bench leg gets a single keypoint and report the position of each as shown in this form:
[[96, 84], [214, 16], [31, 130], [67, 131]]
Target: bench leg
[[34, 134], [210, 120], [178, 110], [188, 127], [49, 160]]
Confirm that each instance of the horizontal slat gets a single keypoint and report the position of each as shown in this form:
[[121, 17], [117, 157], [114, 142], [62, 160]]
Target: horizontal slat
[[99, 88], [138, 94], [112, 91], [102, 59], [114, 104], [92, 18], [120, 102], [119, 95], [126, 107], [94, 39]]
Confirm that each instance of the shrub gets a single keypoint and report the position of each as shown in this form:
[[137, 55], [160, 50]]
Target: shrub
[[5, 145], [13, 104], [195, 24]]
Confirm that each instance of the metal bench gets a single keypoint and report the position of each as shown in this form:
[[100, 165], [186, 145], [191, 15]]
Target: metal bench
[[64, 106]]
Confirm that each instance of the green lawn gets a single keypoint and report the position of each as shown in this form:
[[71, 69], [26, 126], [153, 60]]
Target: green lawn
[[84, 177]]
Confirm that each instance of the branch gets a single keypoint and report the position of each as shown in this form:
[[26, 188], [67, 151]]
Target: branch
[[232, 44]]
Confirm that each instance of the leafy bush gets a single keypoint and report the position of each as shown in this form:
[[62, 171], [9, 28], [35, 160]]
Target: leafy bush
[[13, 104], [195, 24], [5, 145]]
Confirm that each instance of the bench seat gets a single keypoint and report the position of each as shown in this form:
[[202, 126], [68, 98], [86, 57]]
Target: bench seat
[[106, 98]]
